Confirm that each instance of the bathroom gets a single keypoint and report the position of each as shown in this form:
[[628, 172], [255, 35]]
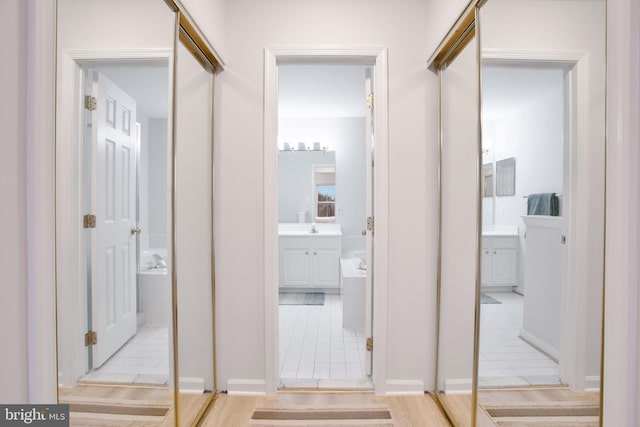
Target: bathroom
[[524, 133], [322, 211]]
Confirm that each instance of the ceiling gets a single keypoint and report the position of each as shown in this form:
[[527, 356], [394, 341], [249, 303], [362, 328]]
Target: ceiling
[[313, 90], [148, 84]]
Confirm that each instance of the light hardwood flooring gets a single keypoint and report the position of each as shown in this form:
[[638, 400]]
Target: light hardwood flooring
[[115, 405], [557, 406], [409, 411]]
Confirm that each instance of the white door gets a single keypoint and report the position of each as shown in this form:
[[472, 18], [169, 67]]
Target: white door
[[369, 154], [113, 272]]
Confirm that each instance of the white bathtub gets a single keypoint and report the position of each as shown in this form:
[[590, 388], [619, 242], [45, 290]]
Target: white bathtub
[[155, 297], [352, 283]]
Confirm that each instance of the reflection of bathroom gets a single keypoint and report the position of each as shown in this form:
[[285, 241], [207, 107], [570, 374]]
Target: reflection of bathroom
[[521, 259], [322, 211], [145, 357]]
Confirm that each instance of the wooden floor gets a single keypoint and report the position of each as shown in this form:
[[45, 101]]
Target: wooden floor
[[557, 406], [405, 410], [113, 405]]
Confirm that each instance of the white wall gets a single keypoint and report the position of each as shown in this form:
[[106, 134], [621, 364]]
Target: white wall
[[156, 184], [252, 26], [13, 215]]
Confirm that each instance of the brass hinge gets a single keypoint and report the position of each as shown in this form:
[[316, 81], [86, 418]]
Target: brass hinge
[[370, 101], [89, 221], [90, 103], [90, 338], [370, 224], [370, 344]]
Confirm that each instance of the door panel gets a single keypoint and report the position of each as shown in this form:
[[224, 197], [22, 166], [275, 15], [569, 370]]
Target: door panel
[[113, 193]]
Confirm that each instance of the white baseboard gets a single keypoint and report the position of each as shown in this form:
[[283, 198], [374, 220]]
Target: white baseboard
[[540, 345], [592, 383], [404, 387], [458, 386], [191, 385], [246, 387]]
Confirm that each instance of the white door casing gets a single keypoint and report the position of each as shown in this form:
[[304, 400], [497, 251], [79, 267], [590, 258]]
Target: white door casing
[[369, 158], [113, 295]]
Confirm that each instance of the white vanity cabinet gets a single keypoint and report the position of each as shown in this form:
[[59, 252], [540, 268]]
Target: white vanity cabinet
[[499, 260], [310, 261]]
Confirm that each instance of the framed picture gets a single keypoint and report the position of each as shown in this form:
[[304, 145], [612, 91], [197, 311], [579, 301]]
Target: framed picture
[[506, 177]]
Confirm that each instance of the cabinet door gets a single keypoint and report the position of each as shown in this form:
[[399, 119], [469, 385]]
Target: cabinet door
[[295, 263], [326, 267], [504, 264], [485, 260]]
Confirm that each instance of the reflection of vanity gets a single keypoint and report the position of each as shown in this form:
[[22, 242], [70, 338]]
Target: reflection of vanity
[[499, 255], [310, 259]]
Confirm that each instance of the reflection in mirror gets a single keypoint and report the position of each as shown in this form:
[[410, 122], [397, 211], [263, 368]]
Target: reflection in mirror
[[194, 231], [113, 290], [543, 67], [459, 104]]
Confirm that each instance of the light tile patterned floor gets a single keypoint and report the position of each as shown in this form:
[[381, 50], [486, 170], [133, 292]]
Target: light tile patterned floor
[[314, 346], [505, 359], [142, 360]]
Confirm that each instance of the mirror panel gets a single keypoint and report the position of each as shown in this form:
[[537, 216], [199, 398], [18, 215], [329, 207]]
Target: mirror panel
[[194, 231], [111, 162], [543, 105], [459, 104]]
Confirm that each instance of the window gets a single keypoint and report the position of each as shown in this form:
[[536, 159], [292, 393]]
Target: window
[[324, 178]]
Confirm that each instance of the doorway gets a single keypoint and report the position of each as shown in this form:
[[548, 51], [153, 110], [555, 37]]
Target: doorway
[[124, 181], [324, 189], [376, 59], [526, 131]]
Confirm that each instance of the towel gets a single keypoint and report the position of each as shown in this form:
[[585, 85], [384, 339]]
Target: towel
[[543, 204]]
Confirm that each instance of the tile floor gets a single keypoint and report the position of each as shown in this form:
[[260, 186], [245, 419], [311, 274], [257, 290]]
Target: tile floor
[[315, 346], [144, 359], [505, 359]]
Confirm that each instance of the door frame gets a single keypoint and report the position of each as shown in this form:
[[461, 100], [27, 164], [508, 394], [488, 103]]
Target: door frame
[[70, 195], [377, 57]]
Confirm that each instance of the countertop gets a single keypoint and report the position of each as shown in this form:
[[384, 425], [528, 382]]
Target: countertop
[[499, 231], [304, 229]]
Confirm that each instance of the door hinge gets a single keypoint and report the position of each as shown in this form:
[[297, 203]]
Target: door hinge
[[370, 101], [90, 338], [89, 221], [563, 239], [370, 344], [370, 224], [90, 103]]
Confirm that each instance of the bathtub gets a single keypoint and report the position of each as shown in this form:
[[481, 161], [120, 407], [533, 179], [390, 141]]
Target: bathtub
[[353, 287], [155, 296]]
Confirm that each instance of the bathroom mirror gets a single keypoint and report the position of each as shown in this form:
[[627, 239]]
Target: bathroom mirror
[[113, 135], [459, 227], [543, 106]]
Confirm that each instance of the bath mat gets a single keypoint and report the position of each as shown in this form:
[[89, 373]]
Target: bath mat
[[486, 299], [321, 414], [301, 298]]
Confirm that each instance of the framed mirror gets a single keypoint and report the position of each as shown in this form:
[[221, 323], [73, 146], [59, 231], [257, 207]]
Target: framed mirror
[[126, 237], [543, 105]]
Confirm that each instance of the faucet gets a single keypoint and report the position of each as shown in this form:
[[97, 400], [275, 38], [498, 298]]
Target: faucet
[[313, 228]]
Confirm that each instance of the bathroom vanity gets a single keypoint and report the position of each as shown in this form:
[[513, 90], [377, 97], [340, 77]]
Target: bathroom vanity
[[309, 259], [499, 255]]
